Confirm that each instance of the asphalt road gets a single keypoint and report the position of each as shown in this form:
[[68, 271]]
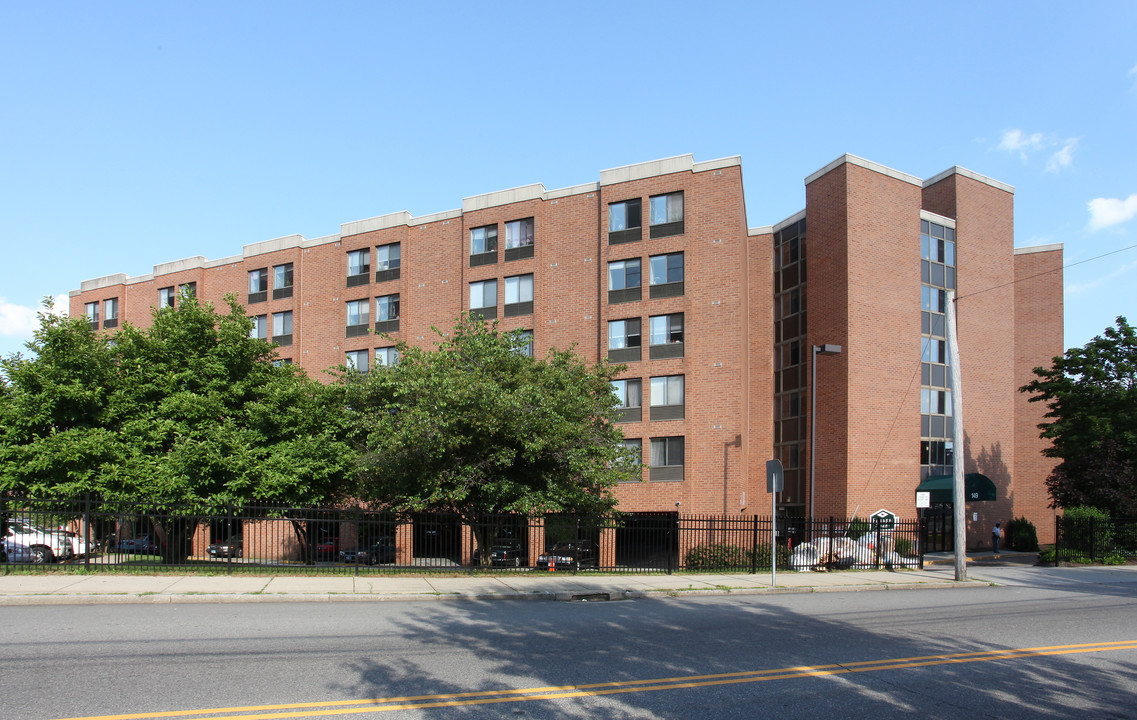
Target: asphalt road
[[1049, 643]]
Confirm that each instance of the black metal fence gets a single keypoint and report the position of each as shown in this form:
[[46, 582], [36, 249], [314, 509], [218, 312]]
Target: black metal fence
[[98, 534], [1094, 539]]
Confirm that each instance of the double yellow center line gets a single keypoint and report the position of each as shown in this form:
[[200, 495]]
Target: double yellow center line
[[487, 697]]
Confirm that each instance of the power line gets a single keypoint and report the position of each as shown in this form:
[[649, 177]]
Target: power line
[[1047, 272]]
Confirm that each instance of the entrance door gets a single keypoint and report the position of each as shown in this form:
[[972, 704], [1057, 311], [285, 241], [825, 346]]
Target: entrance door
[[941, 528]]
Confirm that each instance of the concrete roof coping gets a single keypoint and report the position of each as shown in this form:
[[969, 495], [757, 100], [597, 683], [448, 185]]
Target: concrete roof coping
[[435, 217], [763, 230], [326, 239], [190, 263], [382, 222], [102, 282], [868, 165], [1052, 247], [574, 190], [140, 279], [957, 170], [267, 246], [536, 191], [223, 261], [718, 164], [939, 219], [652, 168], [790, 220]]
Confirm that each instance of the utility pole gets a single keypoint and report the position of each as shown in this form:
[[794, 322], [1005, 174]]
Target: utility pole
[[959, 510]]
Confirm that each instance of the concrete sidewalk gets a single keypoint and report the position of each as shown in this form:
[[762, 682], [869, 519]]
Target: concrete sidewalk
[[64, 589]]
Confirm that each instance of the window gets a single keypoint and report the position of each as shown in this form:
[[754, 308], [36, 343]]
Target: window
[[666, 275], [629, 394], [357, 311], [524, 344], [110, 313], [260, 327], [388, 260], [667, 397], [935, 402], [624, 222], [282, 281], [258, 285], [519, 239], [666, 215], [282, 328], [483, 298], [387, 313], [282, 362], [166, 297], [633, 454], [518, 295], [359, 267], [624, 340], [483, 245], [188, 289], [623, 281], [356, 360], [92, 311], [386, 357], [666, 459], [666, 339]]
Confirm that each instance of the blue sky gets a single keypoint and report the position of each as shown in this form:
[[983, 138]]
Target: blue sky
[[138, 133]]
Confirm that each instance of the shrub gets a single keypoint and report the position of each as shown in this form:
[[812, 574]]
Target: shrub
[[903, 547], [1022, 535], [1086, 529], [721, 556], [857, 528], [717, 555]]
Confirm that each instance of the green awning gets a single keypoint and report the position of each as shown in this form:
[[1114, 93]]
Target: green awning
[[977, 487]]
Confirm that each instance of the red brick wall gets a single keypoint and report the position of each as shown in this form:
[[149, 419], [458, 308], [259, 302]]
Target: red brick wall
[[985, 315], [1038, 340], [761, 370]]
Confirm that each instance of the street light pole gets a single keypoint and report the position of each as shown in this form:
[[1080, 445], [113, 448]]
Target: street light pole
[[817, 350]]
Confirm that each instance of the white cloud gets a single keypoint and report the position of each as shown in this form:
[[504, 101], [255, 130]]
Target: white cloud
[[1106, 212], [1018, 141], [21, 321], [1063, 157], [1079, 289]]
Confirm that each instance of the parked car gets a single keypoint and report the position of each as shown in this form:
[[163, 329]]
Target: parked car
[[571, 554], [27, 543], [378, 552], [505, 552], [234, 547], [328, 547], [143, 544]]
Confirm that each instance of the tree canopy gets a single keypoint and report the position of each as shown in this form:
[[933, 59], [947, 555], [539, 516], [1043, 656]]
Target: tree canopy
[[1091, 393], [476, 426], [189, 409]]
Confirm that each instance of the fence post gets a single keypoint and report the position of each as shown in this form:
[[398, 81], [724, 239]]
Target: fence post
[[1057, 539], [876, 546], [86, 528], [1093, 539], [229, 540], [754, 549], [921, 539], [829, 555]]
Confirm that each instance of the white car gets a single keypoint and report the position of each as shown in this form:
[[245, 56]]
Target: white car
[[27, 543]]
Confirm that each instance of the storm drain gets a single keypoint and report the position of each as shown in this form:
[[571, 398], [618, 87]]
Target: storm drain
[[591, 597]]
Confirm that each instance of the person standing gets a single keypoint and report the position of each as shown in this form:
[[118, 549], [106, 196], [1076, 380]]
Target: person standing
[[996, 536]]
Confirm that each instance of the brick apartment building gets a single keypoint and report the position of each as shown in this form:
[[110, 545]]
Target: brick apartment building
[[654, 266]]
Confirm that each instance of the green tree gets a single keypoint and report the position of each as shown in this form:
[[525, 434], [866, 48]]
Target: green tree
[[189, 410], [476, 428], [1091, 393]]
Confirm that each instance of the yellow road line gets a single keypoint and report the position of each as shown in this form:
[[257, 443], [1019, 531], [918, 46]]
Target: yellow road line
[[485, 697]]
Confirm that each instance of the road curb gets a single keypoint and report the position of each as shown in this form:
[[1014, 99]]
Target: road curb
[[543, 596]]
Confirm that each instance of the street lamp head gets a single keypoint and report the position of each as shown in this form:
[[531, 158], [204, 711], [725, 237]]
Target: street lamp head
[[827, 349]]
